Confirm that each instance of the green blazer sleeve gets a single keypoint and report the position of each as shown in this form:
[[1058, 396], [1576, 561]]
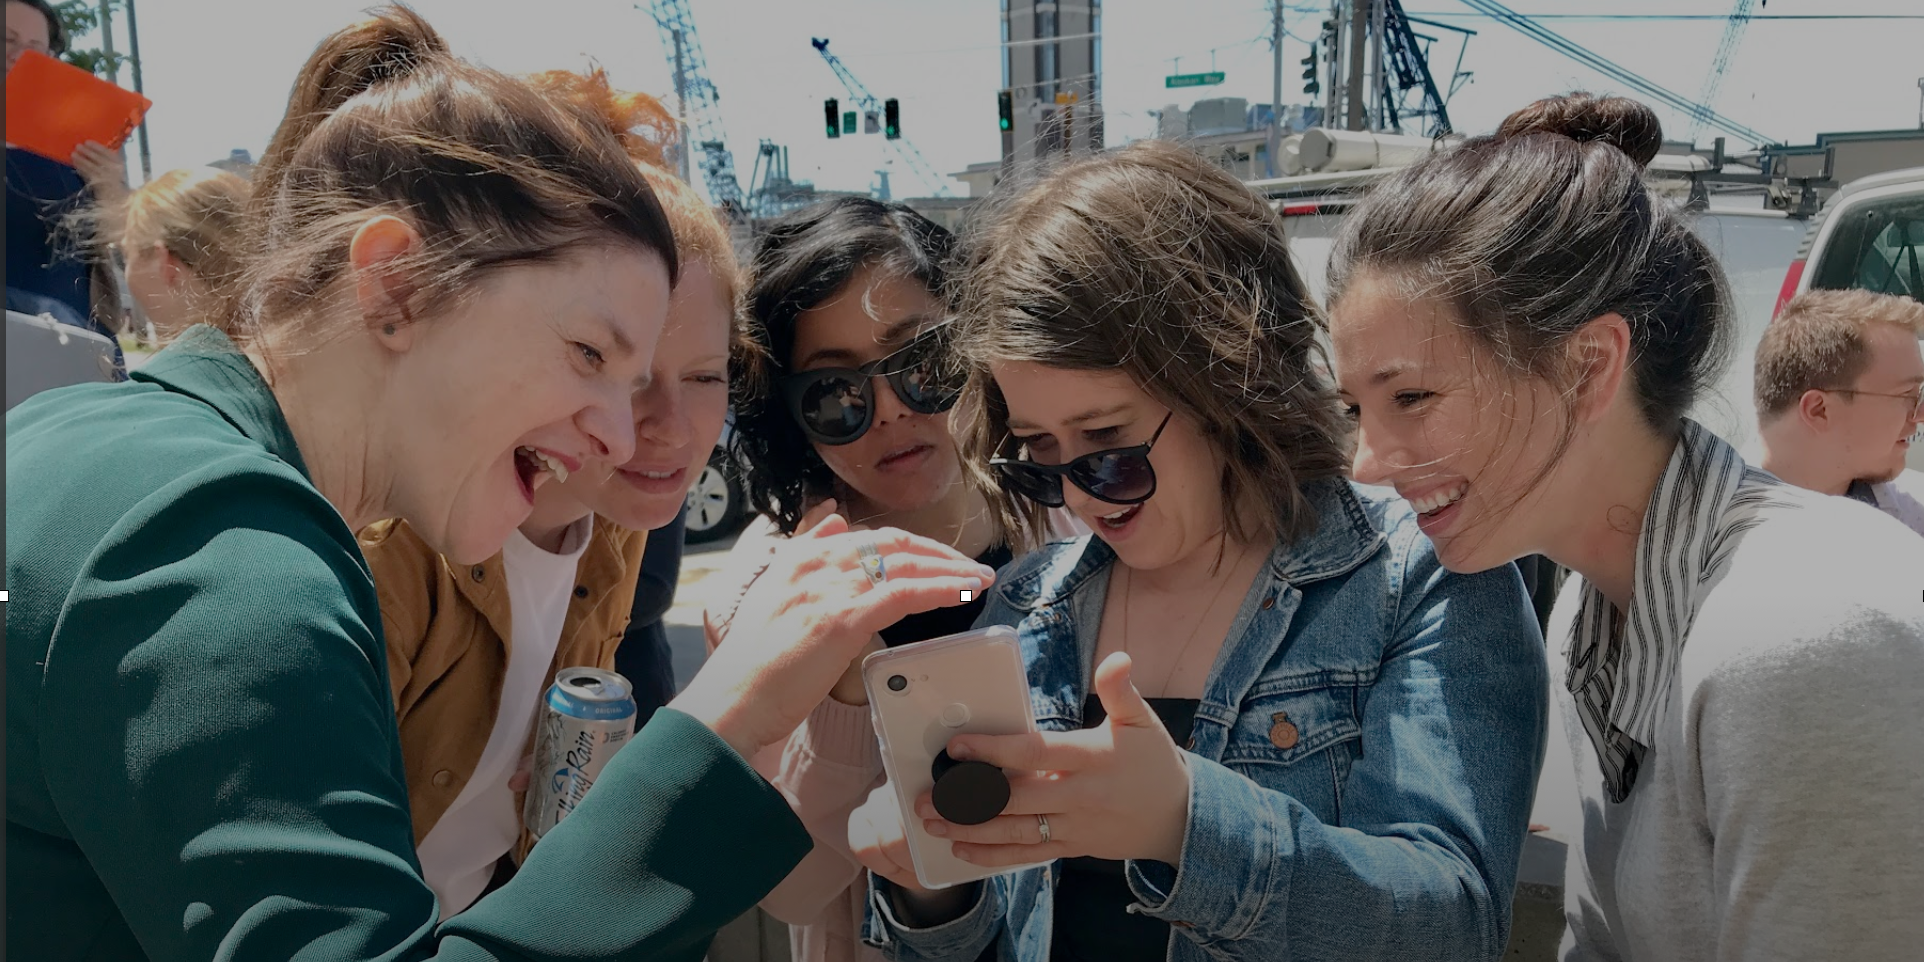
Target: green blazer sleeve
[[217, 736]]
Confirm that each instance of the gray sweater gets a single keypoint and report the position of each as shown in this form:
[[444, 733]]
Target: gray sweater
[[1779, 813]]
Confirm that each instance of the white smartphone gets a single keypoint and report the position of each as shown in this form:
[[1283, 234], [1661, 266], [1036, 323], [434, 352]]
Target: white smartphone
[[923, 694]]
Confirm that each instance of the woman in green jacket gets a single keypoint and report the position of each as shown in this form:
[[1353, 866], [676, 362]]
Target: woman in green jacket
[[455, 287]]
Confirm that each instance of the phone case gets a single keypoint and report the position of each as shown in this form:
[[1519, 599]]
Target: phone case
[[970, 683]]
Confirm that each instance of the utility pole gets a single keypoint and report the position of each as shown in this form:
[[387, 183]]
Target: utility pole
[[1920, 103], [1359, 29], [1276, 93], [133, 50], [681, 111]]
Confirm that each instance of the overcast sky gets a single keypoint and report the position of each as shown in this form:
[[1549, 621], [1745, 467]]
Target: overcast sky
[[218, 70]]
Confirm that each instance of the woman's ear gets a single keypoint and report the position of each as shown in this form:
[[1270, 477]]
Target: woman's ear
[[377, 255], [1600, 352]]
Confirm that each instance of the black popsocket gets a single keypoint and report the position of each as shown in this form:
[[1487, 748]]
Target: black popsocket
[[968, 793]]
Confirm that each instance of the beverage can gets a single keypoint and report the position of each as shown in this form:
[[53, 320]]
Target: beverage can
[[588, 714]]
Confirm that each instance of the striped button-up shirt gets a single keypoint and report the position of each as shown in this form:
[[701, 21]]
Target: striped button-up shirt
[[1621, 664]]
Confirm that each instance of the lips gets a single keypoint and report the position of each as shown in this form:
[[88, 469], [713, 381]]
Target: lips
[[533, 466], [902, 456]]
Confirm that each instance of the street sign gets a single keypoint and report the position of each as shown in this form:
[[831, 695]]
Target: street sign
[[1193, 79], [849, 122]]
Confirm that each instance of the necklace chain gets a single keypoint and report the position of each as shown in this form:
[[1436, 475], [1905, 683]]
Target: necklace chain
[[1176, 666]]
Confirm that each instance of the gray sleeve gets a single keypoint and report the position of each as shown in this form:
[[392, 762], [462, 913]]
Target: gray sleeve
[[1812, 776]]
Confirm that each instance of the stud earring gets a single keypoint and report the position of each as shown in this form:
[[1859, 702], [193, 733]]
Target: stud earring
[[388, 329]]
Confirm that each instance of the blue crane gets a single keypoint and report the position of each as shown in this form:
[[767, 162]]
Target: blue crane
[[869, 106], [1569, 48], [700, 102], [1720, 64]]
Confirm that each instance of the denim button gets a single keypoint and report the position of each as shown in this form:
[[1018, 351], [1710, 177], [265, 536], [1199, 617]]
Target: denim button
[[1183, 925], [1269, 602], [1190, 745]]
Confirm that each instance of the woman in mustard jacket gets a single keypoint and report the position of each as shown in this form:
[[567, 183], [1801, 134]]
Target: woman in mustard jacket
[[471, 648]]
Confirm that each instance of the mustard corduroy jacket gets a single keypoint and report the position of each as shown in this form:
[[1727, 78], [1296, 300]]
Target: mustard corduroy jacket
[[448, 628]]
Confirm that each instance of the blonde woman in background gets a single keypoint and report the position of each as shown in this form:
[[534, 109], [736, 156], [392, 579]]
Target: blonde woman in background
[[180, 236]]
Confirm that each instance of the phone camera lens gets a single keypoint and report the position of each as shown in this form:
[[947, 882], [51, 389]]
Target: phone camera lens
[[898, 683]]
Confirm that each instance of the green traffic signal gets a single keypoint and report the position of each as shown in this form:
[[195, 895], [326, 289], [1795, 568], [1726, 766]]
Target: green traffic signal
[[832, 110], [1005, 109], [891, 118]]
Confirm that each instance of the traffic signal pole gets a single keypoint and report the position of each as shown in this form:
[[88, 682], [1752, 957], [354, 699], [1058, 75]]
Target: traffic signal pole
[[1276, 94]]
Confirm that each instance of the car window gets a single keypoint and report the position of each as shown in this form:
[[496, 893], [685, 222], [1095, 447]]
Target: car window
[[1877, 246]]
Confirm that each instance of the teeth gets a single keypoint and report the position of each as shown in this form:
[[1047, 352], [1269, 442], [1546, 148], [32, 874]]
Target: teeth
[[554, 465], [658, 475], [1118, 515], [1439, 500]]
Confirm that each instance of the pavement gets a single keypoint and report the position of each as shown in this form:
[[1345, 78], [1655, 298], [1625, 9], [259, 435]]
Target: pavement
[[693, 594]]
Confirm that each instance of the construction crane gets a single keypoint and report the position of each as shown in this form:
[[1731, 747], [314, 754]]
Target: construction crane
[[700, 103], [1720, 64], [1569, 48], [1408, 68], [870, 106]]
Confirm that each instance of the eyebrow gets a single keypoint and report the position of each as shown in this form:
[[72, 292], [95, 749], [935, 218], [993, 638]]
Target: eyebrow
[[900, 330], [826, 354], [1083, 418], [622, 345], [1389, 373]]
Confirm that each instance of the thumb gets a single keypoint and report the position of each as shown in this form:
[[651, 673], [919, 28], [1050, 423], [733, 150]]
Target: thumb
[[815, 515], [1116, 689]]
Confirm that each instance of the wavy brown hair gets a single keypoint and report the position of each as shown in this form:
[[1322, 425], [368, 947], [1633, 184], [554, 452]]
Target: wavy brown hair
[[1151, 261]]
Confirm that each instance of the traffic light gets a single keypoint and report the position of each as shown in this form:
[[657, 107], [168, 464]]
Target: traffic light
[[832, 110], [1005, 109], [1310, 86], [891, 118]]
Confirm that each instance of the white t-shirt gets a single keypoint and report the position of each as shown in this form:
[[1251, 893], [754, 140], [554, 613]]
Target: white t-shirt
[[459, 854]]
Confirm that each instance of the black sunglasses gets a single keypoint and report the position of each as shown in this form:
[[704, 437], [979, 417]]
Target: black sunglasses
[[1118, 475], [836, 405]]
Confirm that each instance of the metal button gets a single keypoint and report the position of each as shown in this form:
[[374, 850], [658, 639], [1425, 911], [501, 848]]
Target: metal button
[[1183, 925], [1282, 732], [1269, 602], [477, 572], [443, 778], [581, 591], [1190, 745]]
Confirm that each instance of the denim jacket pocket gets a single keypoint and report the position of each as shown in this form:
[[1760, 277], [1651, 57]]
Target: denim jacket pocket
[[1300, 741]]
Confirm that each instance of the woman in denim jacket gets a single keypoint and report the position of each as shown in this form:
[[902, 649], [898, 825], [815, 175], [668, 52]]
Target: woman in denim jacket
[[1339, 751]]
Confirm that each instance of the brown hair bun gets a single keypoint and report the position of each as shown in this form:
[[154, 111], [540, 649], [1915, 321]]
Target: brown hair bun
[[1585, 117]]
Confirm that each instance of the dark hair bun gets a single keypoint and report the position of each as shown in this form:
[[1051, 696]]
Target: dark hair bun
[[1620, 122]]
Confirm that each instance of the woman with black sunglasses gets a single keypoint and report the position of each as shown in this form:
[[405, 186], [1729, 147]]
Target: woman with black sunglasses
[[844, 296], [1340, 740]]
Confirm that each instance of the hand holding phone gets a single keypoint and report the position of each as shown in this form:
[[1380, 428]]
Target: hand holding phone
[[924, 694]]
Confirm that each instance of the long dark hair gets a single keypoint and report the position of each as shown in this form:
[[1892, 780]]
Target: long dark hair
[[803, 260]]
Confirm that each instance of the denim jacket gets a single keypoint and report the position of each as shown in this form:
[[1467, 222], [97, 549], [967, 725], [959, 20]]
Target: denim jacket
[[1363, 761]]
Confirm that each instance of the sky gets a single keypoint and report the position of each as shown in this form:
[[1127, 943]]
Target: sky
[[218, 71]]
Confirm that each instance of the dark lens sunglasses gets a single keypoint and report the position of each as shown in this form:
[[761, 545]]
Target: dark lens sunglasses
[[836, 405], [1118, 475]]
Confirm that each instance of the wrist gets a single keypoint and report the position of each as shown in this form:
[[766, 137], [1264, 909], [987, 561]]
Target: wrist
[[721, 716], [926, 908]]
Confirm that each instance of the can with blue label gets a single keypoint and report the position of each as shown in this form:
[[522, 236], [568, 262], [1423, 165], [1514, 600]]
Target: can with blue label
[[588, 714]]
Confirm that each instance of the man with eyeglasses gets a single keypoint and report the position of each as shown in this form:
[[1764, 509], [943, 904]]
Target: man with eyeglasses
[[1839, 379]]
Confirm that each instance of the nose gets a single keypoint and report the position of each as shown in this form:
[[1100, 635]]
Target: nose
[[608, 423], [1371, 464], [888, 407], [661, 415]]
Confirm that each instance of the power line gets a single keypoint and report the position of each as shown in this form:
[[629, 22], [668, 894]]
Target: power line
[[1598, 17]]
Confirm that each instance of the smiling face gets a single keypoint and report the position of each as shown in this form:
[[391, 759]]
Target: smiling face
[[677, 418], [1058, 415], [529, 376], [1873, 428], [906, 461], [27, 29], [1466, 443]]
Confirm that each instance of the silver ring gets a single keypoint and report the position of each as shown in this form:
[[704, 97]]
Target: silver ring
[[872, 564], [1042, 825]]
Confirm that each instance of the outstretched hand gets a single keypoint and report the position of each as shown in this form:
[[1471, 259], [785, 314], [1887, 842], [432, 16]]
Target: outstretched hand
[[1116, 791], [807, 616]]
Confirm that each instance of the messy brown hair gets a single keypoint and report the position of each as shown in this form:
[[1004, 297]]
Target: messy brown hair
[[197, 216], [1151, 261], [1817, 343], [489, 172], [647, 131]]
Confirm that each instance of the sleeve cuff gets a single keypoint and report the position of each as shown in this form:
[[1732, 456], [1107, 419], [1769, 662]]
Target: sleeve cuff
[[1225, 882], [842, 735], [961, 937]]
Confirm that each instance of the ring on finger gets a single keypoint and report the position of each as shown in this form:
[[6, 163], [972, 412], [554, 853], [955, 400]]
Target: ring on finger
[[1042, 826], [872, 564]]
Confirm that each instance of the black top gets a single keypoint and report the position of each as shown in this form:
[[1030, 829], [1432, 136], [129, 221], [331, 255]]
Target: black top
[[1092, 923], [945, 621]]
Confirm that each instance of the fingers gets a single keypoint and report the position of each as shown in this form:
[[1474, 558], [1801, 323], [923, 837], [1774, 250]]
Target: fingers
[[997, 856], [1120, 699], [891, 601], [1002, 830], [876, 839]]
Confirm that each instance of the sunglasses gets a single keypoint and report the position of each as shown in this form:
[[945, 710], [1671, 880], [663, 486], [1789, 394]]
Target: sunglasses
[[1118, 475], [836, 405]]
